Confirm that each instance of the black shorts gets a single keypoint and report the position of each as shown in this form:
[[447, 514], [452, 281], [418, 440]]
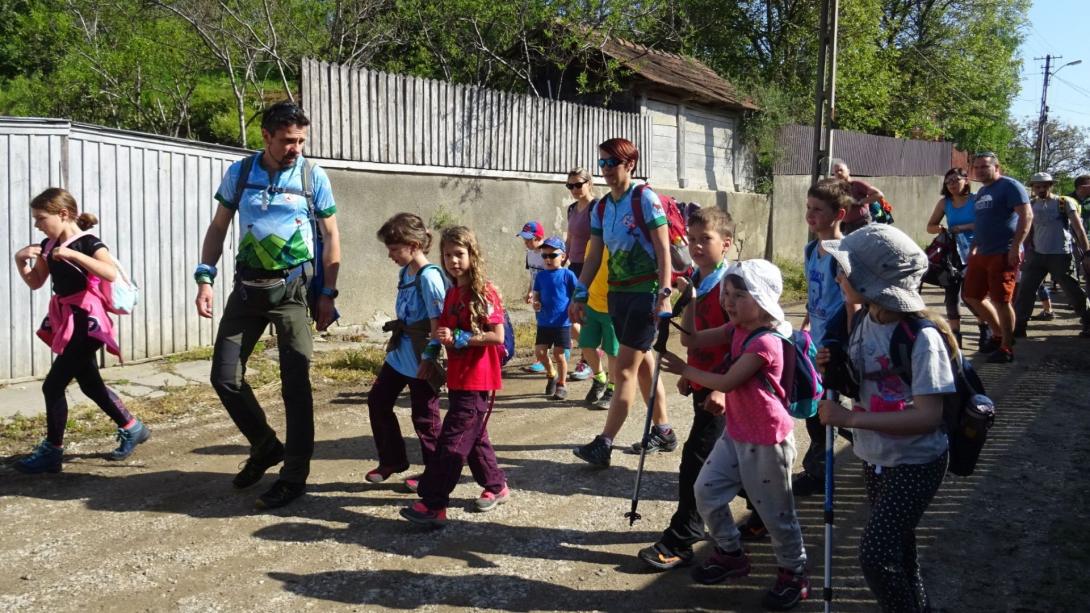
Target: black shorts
[[554, 337], [633, 318]]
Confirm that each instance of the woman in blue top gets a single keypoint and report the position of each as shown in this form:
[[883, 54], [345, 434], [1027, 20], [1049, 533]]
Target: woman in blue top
[[957, 206]]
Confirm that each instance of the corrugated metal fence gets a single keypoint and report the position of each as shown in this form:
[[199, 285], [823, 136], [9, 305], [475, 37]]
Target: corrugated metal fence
[[372, 116], [154, 200], [867, 155]]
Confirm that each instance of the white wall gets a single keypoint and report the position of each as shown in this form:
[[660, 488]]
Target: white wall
[[704, 140]]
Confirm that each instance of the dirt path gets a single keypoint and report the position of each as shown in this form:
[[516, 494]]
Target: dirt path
[[167, 532]]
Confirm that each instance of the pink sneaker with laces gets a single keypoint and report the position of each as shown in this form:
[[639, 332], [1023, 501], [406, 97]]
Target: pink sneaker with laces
[[489, 500]]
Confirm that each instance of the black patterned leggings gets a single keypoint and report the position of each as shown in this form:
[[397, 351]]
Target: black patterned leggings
[[898, 496]]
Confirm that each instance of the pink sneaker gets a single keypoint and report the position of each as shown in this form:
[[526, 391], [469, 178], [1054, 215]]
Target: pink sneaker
[[383, 473], [412, 483], [488, 500], [420, 514]]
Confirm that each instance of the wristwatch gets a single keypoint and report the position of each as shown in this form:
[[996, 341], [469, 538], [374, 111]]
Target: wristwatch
[[666, 291], [330, 292]]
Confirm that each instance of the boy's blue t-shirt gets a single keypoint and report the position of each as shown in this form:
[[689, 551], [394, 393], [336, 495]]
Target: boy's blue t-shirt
[[632, 263], [824, 300], [555, 287], [275, 232], [996, 220], [413, 306]]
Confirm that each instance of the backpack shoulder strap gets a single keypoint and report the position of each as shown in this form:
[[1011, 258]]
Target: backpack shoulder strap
[[571, 209], [243, 178], [601, 206], [308, 191], [637, 209], [901, 344], [808, 250]]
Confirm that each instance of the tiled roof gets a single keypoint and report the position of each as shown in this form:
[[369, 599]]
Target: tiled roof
[[684, 75]]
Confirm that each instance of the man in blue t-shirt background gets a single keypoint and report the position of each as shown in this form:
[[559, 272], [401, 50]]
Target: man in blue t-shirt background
[[1003, 220]]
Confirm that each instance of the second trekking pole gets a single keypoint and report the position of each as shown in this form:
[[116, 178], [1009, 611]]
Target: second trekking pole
[[827, 592], [659, 347]]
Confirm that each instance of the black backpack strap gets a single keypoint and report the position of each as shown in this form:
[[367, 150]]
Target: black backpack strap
[[636, 204], [901, 344], [243, 179]]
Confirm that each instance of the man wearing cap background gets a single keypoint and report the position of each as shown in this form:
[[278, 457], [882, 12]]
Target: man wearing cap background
[[1055, 219], [1003, 220]]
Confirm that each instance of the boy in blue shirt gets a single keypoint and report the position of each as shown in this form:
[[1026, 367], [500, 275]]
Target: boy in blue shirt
[[552, 291]]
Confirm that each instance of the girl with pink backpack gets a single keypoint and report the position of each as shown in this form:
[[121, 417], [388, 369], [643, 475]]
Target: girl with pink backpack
[[77, 326]]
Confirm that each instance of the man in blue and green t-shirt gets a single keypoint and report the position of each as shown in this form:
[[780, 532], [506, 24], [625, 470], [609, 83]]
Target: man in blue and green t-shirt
[[280, 199]]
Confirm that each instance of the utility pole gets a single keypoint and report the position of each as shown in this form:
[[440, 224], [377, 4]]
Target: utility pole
[[1044, 114], [825, 93], [1042, 123]]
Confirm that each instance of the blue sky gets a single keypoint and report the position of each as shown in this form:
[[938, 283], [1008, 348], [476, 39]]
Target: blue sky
[[1057, 27]]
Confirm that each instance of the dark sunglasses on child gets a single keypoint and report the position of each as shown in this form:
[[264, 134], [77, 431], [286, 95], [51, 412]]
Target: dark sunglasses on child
[[575, 185], [609, 162], [550, 256]]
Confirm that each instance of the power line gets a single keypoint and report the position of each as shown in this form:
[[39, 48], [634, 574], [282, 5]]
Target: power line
[[1077, 88]]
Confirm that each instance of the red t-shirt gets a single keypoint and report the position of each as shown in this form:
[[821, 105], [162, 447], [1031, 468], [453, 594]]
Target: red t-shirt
[[709, 314], [474, 368]]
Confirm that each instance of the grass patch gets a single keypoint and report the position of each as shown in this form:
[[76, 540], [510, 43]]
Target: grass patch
[[350, 366], [200, 353], [794, 281], [525, 337]]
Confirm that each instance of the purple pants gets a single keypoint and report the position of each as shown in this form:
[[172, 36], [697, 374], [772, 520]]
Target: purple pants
[[464, 439], [384, 426]]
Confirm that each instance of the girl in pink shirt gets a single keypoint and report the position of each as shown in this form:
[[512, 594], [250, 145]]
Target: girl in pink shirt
[[757, 449]]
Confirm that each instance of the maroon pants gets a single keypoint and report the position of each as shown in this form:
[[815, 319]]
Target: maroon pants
[[464, 439], [387, 432]]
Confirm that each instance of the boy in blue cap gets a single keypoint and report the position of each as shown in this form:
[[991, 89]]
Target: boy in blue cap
[[533, 235], [551, 294]]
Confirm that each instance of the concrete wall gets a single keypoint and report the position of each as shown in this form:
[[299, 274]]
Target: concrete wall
[[495, 208], [913, 200]]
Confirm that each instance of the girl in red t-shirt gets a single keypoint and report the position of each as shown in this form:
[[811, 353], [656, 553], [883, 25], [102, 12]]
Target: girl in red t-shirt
[[471, 328]]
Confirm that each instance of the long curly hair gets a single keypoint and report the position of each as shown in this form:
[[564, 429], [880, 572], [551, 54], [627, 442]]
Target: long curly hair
[[478, 286]]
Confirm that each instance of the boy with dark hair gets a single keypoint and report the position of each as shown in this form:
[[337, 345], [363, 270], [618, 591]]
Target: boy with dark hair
[[827, 314], [533, 235]]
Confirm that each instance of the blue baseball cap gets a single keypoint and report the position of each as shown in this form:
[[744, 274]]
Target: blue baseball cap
[[554, 242], [532, 230]]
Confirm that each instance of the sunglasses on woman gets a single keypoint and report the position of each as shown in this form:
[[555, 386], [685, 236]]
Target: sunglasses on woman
[[609, 163], [575, 185]]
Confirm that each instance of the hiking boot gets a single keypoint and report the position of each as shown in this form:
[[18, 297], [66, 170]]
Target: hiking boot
[[790, 589], [560, 393], [46, 458], [1020, 332], [663, 557], [280, 494], [550, 387], [413, 483], [659, 441], [597, 390], [985, 335], [536, 368], [605, 401], [382, 473], [991, 345], [255, 467], [1002, 355], [128, 440], [596, 452], [753, 529], [489, 500], [721, 566], [1043, 316], [423, 516], [806, 484], [582, 372]]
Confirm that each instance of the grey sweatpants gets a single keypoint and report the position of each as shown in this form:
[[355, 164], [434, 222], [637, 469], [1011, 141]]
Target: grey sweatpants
[[765, 473]]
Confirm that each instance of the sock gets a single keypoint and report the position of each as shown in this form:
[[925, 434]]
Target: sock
[[130, 425], [608, 441], [600, 377], [663, 428], [609, 386]]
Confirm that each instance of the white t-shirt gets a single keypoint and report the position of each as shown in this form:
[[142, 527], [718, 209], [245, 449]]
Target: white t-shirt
[[883, 390]]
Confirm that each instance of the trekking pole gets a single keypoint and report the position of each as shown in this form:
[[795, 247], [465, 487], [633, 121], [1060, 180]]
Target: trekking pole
[[827, 592], [659, 346]]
